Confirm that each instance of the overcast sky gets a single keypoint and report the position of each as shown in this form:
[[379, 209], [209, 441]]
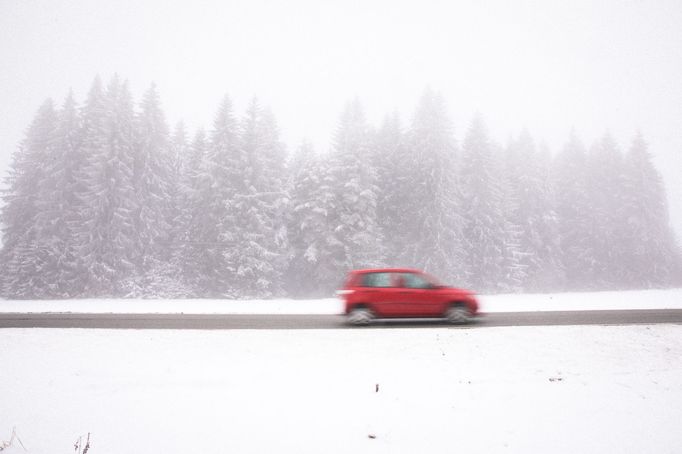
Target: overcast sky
[[547, 66]]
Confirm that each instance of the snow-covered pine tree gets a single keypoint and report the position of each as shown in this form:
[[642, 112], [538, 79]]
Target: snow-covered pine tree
[[257, 253], [309, 273], [515, 275], [21, 255], [332, 249], [428, 233], [275, 193], [605, 194], [107, 240], [573, 214], [179, 149], [179, 155], [552, 277], [355, 237], [212, 233], [651, 254], [173, 280], [513, 255], [527, 173], [58, 277], [485, 237], [393, 171], [153, 179], [191, 215]]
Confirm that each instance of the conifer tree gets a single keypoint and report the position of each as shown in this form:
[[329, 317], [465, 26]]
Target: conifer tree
[[574, 214], [430, 235], [153, 180], [307, 225], [514, 266], [22, 253], [220, 177], [533, 212], [552, 275], [179, 149], [57, 191], [355, 237], [485, 237], [275, 194], [107, 241], [605, 193], [179, 156], [177, 216], [391, 162], [192, 215], [650, 255], [255, 217]]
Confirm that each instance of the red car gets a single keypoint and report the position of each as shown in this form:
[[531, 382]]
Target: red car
[[403, 293]]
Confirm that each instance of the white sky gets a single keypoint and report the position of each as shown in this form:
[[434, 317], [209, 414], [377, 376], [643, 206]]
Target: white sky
[[546, 65]]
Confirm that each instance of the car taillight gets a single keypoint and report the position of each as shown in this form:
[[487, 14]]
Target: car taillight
[[344, 292]]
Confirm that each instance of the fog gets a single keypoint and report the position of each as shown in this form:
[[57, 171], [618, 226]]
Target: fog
[[545, 67]]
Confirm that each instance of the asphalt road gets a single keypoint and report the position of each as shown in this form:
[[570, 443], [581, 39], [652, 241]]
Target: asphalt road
[[221, 321]]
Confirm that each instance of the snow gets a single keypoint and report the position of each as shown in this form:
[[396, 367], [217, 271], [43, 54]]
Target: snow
[[203, 306], [616, 300], [560, 389], [641, 299]]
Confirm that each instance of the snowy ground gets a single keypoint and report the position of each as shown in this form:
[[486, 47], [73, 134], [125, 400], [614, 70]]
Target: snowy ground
[[561, 389], [643, 299]]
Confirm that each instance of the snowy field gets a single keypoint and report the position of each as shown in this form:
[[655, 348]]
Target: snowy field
[[642, 299], [561, 389], [558, 389]]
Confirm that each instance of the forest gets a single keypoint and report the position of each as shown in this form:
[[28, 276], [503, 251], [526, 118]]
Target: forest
[[104, 199]]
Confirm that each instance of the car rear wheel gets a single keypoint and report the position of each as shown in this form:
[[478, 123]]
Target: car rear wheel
[[360, 316], [458, 314]]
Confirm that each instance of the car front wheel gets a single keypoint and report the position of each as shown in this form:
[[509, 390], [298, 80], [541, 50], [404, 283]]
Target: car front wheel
[[360, 316], [458, 314]]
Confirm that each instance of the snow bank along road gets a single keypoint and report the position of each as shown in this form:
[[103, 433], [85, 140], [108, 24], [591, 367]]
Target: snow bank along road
[[651, 306]]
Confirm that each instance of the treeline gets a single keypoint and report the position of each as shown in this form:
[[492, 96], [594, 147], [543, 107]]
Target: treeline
[[102, 200]]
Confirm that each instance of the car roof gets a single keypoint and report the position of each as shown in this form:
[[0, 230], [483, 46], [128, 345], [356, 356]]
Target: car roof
[[387, 270]]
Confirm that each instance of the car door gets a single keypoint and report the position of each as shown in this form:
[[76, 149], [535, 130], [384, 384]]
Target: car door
[[380, 293], [418, 297]]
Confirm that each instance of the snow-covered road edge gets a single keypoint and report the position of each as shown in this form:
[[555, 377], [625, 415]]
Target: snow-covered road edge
[[620, 300]]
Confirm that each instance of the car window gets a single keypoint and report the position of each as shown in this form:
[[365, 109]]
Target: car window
[[377, 280], [412, 280]]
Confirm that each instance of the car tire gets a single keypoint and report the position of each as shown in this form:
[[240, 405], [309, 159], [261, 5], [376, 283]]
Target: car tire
[[458, 314], [360, 316]]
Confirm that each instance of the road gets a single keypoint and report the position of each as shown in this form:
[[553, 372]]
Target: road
[[222, 321]]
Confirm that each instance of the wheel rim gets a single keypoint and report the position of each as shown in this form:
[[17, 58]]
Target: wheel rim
[[360, 317], [458, 314]]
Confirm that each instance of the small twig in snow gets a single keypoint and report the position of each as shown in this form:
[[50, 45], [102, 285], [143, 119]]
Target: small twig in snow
[[6, 444], [87, 444]]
